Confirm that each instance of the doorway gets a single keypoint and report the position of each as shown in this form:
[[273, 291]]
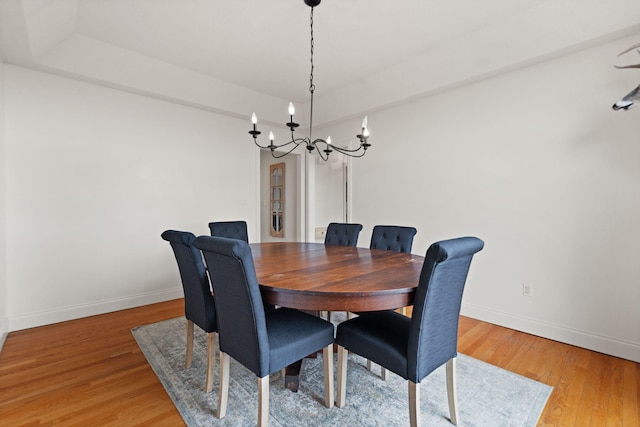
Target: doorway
[[290, 224], [327, 188]]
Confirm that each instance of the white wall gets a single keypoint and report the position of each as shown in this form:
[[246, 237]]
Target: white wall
[[4, 304], [537, 164], [94, 175], [329, 187]]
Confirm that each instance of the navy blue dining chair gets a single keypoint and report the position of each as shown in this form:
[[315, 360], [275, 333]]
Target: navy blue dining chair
[[230, 229], [342, 234], [393, 238], [414, 347], [263, 341], [199, 305]]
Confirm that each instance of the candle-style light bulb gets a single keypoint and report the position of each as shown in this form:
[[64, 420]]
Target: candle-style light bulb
[[254, 119], [292, 110], [271, 138], [364, 122], [365, 133], [328, 140]]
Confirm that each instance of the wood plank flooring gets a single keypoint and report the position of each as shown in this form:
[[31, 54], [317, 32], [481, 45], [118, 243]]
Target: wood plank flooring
[[91, 372]]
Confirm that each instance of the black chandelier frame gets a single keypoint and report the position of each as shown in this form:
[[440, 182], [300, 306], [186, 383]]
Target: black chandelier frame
[[310, 144]]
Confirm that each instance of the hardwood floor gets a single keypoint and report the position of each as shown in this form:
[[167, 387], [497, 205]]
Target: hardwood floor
[[91, 372]]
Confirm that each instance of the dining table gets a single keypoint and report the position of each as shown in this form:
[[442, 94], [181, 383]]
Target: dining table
[[317, 277]]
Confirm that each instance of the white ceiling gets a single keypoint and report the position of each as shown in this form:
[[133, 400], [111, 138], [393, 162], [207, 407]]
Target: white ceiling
[[234, 56]]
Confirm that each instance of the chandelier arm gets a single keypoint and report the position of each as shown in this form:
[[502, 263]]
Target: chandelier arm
[[255, 141], [351, 153], [277, 156], [358, 152], [342, 150], [347, 150], [299, 140], [324, 157], [276, 146]]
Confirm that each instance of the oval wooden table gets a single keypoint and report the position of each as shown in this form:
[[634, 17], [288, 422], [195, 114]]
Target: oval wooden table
[[318, 277], [315, 277]]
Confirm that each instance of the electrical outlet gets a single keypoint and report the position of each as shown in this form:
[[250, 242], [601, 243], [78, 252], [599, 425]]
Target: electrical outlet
[[527, 290], [321, 232]]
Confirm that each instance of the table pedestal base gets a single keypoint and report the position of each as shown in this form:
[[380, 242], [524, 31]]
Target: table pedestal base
[[292, 376]]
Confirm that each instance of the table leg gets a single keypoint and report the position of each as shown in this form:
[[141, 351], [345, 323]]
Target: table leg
[[292, 372], [292, 376]]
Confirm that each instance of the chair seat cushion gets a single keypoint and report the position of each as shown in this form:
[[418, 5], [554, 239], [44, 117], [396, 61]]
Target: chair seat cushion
[[294, 335], [380, 337]]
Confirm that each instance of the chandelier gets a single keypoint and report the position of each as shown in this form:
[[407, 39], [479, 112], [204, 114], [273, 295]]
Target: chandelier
[[321, 146]]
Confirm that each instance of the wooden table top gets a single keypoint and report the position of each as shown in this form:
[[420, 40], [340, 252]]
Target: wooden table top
[[312, 276]]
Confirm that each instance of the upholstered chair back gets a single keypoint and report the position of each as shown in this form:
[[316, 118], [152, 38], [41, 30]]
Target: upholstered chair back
[[392, 238], [199, 305], [342, 234], [230, 229], [433, 334], [241, 316]]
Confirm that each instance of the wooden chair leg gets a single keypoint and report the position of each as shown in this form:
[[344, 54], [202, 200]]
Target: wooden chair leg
[[383, 371], [211, 360], [327, 356], [223, 394], [451, 391], [414, 404], [342, 376], [263, 401], [189, 357]]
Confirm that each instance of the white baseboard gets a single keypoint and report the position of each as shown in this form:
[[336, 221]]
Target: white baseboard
[[32, 320], [4, 331], [614, 347]]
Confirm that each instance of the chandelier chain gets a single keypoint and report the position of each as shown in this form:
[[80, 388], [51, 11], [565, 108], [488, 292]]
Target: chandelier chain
[[312, 87]]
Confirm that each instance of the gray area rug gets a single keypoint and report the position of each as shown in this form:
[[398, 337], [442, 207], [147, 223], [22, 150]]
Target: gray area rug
[[487, 395]]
